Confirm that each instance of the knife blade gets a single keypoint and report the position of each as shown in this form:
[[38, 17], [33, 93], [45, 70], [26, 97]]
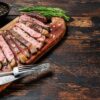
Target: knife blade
[[7, 79]]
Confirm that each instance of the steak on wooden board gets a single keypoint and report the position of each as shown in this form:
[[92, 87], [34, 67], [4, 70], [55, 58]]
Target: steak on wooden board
[[19, 43]]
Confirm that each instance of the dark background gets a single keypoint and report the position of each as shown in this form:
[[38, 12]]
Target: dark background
[[76, 58]]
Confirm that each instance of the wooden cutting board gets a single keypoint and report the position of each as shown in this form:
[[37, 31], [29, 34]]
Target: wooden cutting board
[[58, 27]]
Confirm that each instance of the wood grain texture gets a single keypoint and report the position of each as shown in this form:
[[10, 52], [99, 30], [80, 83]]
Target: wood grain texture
[[76, 58]]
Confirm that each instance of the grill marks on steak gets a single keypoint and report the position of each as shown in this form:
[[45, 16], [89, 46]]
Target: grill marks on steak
[[22, 41]]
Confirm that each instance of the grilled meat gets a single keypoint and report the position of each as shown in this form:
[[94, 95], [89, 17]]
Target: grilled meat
[[21, 47], [30, 31], [19, 56], [3, 60], [37, 16], [7, 51], [39, 29], [27, 37], [26, 18], [29, 45]]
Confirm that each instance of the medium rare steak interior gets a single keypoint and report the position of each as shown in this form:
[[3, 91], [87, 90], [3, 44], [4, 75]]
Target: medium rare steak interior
[[25, 39]]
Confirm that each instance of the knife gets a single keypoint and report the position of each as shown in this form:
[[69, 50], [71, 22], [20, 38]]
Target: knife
[[36, 72]]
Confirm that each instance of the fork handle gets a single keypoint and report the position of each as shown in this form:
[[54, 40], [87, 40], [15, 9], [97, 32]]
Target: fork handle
[[5, 73]]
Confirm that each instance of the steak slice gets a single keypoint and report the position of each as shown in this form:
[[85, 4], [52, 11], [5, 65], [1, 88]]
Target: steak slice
[[20, 46], [19, 56], [38, 16], [30, 46], [39, 29], [30, 31], [26, 18], [7, 51], [27, 37], [3, 60]]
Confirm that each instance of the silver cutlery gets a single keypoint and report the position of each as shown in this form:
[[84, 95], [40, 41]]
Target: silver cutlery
[[23, 69], [36, 71]]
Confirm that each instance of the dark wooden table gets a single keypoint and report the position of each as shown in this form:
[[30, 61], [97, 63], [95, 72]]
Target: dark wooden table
[[76, 58]]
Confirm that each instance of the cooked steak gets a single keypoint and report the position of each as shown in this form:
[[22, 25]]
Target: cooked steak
[[27, 37], [3, 60], [29, 45], [7, 51], [21, 47], [30, 31], [37, 16], [19, 56], [26, 18]]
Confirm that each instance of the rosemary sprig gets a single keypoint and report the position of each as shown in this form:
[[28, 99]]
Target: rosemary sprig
[[47, 11]]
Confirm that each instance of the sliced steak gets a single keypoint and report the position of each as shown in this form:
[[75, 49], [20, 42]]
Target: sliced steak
[[40, 23], [19, 56], [26, 18], [20, 46], [37, 16], [7, 51], [30, 31], [39, 29], [29, 45], [3, 60], [27, 37], [42, 39]]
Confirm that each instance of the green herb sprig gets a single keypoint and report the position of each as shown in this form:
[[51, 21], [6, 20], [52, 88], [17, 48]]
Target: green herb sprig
[[47, 11]]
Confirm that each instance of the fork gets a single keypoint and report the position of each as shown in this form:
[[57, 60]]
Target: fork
[[21, 69]]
